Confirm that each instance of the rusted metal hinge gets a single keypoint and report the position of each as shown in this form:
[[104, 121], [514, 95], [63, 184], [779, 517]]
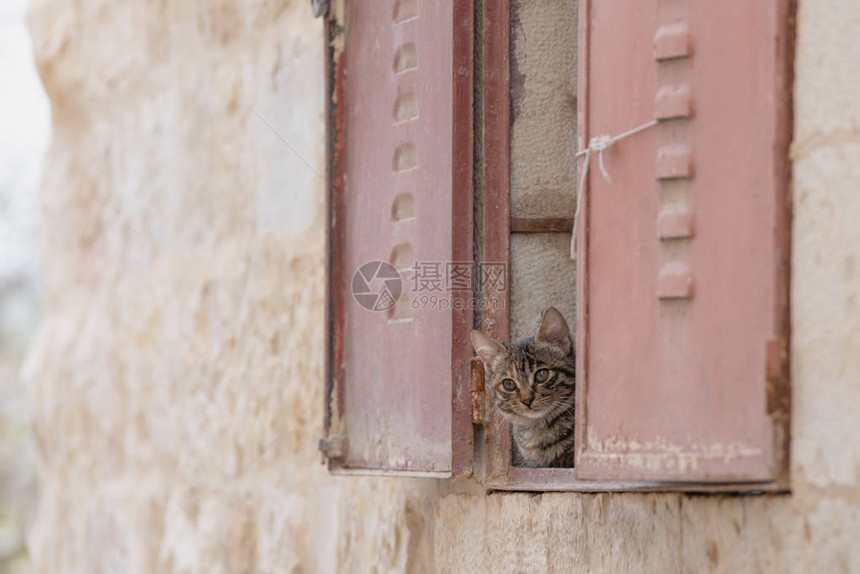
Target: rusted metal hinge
[[778, 397], [320, 7], [477, 387], [334, 446]]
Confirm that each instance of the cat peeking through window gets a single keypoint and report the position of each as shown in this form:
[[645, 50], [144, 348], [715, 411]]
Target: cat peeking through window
[[532, 382]]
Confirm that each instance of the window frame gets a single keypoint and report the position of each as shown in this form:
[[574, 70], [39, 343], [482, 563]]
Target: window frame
[[499, 473], [494, 225]]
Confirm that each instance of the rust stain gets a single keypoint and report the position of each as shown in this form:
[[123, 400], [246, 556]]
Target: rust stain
[[496, 161], [495, 174], [778, 391], [335, 107], [477, 391], [462, 435], [781, 416]]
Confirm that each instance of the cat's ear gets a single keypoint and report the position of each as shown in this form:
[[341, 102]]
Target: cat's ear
[[487, 348], [553, 331]]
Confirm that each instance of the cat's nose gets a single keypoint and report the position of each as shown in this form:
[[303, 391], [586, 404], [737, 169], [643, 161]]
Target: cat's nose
[[527, 401]]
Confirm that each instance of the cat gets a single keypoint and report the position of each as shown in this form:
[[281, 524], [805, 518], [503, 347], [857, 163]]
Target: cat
[[532, 382]]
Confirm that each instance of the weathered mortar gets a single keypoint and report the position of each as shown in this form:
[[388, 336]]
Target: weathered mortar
[[183, 332]]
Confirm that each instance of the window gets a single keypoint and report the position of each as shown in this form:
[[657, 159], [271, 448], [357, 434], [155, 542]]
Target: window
[[682, 256]]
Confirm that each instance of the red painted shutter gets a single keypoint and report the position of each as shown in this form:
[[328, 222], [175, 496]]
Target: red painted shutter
[[401, 172], [683, 256]]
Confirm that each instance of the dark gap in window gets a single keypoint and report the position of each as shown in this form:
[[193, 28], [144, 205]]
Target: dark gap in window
[[478, 158], [542, 274]]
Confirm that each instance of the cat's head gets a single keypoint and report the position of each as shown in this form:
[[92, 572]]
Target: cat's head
[[533, 378]]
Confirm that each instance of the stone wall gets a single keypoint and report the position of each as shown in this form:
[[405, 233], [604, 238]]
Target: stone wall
[[176, 378]]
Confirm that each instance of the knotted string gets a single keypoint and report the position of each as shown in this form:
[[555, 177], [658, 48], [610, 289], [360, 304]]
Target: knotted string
[[598, 144]]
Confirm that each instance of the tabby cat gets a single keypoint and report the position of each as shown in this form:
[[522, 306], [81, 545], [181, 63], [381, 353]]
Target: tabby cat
[[532, 382]]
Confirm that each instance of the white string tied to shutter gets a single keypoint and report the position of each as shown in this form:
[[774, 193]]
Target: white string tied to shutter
[[598, 144]]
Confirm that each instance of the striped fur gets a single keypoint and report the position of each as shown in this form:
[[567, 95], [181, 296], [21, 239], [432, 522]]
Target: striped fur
[[541, 413]]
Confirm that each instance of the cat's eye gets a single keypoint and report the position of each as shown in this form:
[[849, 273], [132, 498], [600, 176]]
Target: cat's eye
[[509, 385], [542, 375]]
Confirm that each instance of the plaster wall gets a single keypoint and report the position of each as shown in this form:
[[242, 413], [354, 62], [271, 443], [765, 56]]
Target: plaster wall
[[175, 379]]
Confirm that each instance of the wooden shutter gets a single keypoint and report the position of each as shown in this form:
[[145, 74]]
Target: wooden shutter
[[683, 256], [400, 125]]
